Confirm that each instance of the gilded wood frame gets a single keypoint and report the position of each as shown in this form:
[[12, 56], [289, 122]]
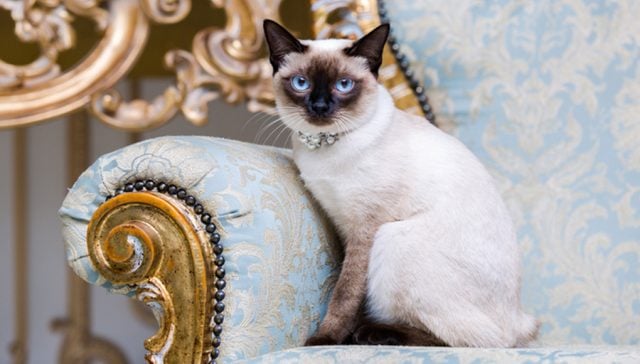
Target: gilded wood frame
[[224, 63]]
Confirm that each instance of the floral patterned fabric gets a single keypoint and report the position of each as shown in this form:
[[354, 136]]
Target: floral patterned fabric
[[417, 355], [547, 94], [280, 252]]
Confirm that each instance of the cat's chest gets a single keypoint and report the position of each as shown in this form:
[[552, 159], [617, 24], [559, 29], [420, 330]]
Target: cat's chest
[[355, 190], [339, 188]]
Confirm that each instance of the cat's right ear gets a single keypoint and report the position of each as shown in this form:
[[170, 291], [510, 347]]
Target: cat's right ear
[[280, 43], [370, 47]]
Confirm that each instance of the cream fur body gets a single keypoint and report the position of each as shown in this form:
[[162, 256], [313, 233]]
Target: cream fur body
[[444, 255], [447, 260]]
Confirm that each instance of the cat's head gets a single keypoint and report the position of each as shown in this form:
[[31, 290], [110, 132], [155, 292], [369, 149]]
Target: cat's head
[[325, 85]]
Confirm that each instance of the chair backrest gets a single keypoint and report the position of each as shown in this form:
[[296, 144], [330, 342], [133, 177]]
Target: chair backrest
[[547, 94]]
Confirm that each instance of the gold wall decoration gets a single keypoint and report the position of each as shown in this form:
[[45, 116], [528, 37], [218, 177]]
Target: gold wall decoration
[[40, 90], [152, 244], [227, 63], [224, 63]]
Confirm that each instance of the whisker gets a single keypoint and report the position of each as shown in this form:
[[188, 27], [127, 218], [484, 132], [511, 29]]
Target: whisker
[[287, 143], [265, 128], [258, 117], [275, 130], [286, 131]]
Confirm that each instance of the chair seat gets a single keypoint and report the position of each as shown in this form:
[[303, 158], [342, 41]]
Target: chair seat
[[399, 354]]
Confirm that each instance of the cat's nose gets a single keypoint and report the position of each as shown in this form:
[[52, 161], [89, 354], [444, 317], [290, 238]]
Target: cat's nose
[[320, 108]]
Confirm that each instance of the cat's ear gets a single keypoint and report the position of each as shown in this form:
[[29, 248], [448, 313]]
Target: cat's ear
[[280, 43], [370, 47]]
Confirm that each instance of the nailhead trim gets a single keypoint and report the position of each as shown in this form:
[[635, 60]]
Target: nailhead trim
[[403, 63], [214, 239]]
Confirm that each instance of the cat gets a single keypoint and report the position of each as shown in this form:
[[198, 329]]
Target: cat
[[431, 256]]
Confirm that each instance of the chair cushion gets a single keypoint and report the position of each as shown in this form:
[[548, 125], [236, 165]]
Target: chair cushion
[[399, 354], [280, 251], [547, 94]]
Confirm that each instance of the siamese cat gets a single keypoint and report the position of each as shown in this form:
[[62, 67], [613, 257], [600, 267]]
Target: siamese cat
[[431, 256]]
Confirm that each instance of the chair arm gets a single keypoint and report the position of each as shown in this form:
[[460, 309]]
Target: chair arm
[[236, 260]]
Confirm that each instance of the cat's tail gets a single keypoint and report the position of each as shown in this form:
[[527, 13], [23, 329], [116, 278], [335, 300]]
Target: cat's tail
[[383, 334], [372, 333], [527, 331]]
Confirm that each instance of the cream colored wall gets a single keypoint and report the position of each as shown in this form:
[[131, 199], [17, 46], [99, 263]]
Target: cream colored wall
[[113, 316], [6, 254]]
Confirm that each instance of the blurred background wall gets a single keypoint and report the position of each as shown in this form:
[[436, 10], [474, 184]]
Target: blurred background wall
[[122, 321]]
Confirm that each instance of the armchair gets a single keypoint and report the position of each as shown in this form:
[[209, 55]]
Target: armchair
[[237, 261]]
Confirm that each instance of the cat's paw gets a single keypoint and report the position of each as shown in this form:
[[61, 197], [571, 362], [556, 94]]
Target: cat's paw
[[377, 334], [317, 340]]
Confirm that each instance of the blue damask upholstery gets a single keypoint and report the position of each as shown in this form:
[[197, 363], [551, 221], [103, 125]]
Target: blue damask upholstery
[[546, 93], [417, 355]]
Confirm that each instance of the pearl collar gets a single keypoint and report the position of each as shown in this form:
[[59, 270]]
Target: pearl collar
[[315, 141]]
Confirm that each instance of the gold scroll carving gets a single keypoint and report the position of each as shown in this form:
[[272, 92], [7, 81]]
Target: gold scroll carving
[[40, 90], [140, 240], [227, 63], [224, 63]]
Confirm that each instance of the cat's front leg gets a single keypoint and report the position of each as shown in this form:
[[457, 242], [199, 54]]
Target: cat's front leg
[[348, 295]]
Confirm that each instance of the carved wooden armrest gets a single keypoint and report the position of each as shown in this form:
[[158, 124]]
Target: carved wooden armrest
[[163, 251], [150, 221]]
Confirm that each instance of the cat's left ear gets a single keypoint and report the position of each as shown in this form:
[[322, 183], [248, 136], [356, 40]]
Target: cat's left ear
[[370, 47], [280, 43]]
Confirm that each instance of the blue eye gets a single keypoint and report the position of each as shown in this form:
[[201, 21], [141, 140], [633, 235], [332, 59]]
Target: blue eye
[[300, 83], [344, 85]]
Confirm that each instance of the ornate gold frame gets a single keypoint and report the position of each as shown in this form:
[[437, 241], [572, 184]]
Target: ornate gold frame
[[224, 63], [228, 63]]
